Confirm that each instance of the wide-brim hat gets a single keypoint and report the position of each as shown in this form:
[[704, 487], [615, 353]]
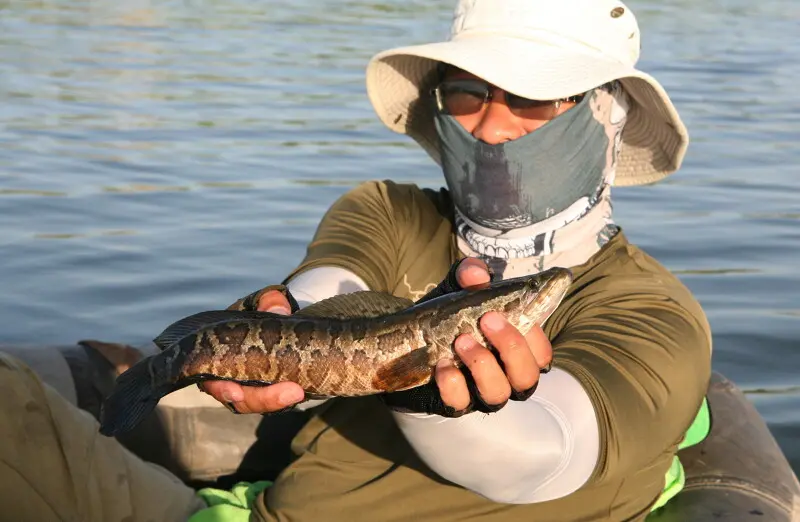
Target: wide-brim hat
[[538, 49]]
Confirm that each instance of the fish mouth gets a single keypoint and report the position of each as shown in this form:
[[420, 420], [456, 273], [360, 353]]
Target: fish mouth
[[551, 290]]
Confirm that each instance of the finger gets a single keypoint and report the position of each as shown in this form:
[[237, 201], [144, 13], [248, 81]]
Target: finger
[[268, 399], [521, 366], [275, 302], [255, 399], [471, 272], [223, 391], [492, 383], [540, 346], [452, 385]]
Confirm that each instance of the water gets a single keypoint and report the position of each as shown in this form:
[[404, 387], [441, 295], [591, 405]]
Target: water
[[162, 157]]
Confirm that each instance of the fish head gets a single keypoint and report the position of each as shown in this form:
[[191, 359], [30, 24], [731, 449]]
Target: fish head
[[542, 294]]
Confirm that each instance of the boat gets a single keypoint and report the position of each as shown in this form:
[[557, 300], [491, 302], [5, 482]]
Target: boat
[[738, 473]]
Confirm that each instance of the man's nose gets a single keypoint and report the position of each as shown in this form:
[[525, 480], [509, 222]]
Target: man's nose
[[498, 124]]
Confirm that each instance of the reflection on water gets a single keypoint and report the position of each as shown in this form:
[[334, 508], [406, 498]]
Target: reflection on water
[[174, 155], [717, 271], [791, 390], [25, 192], [97, 233], [144, 188]]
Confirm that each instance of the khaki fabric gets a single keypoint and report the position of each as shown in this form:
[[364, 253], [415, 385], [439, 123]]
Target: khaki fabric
[[55, 466], [629, 330]]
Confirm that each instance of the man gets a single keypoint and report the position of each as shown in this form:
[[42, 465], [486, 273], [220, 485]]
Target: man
[[533, 110]]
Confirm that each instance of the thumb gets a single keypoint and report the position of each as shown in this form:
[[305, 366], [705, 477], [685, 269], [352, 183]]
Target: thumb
[[472, 272], [274, 302]]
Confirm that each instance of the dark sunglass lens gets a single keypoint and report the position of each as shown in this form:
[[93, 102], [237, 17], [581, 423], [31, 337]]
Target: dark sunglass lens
[[532, 109], [463, 97]]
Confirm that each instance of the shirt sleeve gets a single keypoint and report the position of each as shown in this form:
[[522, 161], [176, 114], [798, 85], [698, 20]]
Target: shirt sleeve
[[532, 451], [643, 354]]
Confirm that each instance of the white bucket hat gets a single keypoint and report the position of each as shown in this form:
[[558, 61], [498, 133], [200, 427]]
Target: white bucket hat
[[539, 49]]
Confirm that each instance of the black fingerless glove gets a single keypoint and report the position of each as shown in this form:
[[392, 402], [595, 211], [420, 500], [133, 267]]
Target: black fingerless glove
[[448, 285]]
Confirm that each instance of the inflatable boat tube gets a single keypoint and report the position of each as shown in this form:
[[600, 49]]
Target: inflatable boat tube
[[737, 474]]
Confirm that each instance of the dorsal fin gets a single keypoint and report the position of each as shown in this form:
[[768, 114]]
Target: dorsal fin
[[366, 303], [193, 323]]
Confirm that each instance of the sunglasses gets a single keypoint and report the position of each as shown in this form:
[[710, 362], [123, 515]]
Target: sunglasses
[[461, 97]]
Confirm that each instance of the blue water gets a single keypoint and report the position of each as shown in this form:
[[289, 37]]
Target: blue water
[[161, 157]]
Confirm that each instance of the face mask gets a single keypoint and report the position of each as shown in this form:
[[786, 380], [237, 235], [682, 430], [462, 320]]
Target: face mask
[[525, 181]]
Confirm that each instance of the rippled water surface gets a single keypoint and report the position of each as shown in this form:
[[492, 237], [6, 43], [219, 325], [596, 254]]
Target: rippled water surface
[[161, 157]]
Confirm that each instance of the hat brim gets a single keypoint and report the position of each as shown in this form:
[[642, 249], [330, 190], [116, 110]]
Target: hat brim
[[654, 139]]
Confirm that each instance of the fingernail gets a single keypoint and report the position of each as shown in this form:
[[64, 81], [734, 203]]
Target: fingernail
[[474, 274], [475, 270], [282, 310], [289, 397], [463, 343], [232, 395], [493, 321]]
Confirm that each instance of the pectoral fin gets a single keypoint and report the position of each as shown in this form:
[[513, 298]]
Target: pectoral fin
[[411, 370]]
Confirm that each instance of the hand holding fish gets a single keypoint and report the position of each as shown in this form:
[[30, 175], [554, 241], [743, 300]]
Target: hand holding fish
[[258, 399], [522, 356]]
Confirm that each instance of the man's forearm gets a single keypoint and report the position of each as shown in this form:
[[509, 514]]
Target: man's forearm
[[541, 449]]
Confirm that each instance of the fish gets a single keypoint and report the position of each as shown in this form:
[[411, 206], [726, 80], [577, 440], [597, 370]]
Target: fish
[[349, 345]]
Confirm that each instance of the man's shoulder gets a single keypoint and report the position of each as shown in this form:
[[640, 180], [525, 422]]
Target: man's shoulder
[[623, 263], [398, 237], [624, 274], [402, 198]]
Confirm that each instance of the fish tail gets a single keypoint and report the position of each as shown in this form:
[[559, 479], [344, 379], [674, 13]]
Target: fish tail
[[135, 395]]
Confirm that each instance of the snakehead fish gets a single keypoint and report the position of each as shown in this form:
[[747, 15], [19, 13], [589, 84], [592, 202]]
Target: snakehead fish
[[349, 345]]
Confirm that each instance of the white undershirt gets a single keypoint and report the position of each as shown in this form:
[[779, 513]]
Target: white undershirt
[[531, 451]]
